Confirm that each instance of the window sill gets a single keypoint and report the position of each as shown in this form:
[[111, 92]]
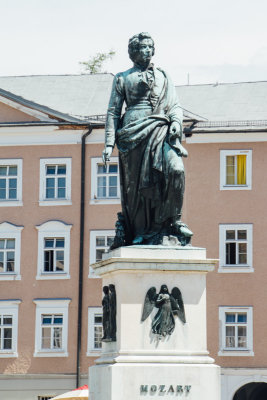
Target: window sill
[[236, 353], [9, 277], [55, 202], [52, 276], [115, 200], [8, 355], [235, 187], [93, 353], [11, 203], [235, 269], [50, 354]]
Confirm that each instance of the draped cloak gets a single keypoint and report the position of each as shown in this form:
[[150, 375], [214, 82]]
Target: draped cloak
[[151, 169]]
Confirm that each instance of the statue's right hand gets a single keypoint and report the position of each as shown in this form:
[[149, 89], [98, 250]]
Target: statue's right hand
[[107, 153]]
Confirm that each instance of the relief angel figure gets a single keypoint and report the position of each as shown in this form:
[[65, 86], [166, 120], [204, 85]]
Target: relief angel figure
[[168, 304]]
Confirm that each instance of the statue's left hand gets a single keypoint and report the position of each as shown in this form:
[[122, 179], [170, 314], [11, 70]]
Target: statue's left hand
[[175, 130], [175, 136]]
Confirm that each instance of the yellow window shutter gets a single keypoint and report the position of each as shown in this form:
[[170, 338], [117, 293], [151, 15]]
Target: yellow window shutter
[[241, 169]]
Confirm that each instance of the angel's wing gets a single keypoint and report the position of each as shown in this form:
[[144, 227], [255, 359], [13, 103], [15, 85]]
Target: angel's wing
[[178, 304], [149, 303]]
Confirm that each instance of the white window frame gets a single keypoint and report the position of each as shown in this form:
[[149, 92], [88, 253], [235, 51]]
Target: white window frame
[[236, 268], [55, 250], [51, 306], [91, 350], [94, 199], [223, 155], [18, 201], [92, 247], [11, 231], [11, 307], [43, 201], [53, 229], [223, 351]]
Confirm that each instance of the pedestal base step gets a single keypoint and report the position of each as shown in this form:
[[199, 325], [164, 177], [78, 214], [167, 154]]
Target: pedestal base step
[[151, 381]]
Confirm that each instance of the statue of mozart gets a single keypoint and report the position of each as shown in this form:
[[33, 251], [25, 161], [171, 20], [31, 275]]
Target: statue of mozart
[[148, 136]]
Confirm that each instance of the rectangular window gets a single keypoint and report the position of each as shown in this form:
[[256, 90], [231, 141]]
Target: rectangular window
[[98, 331], [10, 246], [102, 245], [8, 182], [236, 169], [55, 181], [6, 326], [7, 255], [105, 181], [51, 327], [236, 248], [54, 254], [236, 329], [100, 242], [95, 330], [52, 331], [53, 250]]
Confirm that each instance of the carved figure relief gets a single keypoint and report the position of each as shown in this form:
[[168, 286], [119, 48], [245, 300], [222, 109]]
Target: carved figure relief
[[109, 306], [168, 304]]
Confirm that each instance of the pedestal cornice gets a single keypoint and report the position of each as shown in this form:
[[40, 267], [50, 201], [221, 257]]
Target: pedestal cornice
[[155, 258]]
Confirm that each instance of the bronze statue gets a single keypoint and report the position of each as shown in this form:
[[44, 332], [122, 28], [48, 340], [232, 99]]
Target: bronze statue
[[106, 313], [148, 137], [109, 307], [113, 312], [163, 323]]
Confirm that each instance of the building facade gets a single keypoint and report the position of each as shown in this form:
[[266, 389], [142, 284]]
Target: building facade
[[225, 207], [52, 180]]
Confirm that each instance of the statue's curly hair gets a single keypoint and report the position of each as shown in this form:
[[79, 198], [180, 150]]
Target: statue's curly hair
[[133, 45]]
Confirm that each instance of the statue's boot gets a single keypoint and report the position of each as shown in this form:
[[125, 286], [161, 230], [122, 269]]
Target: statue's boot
[[138, 239], [182, 231]]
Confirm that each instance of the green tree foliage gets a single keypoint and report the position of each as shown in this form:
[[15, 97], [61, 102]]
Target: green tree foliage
[[95, 63]]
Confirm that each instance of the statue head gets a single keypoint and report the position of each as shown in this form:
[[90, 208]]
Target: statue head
[[164, 289], [105, 289], [136, 44], [111, 287]]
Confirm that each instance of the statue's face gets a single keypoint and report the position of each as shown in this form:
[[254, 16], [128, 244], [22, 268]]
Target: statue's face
[[164, 289], [145, 52]]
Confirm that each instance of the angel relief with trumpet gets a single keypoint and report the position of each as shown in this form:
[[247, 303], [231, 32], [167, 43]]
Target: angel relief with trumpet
[[168, 304]]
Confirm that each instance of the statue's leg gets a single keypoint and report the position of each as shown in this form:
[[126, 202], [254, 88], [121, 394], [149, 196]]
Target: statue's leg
[[175, 184], [134, 207]]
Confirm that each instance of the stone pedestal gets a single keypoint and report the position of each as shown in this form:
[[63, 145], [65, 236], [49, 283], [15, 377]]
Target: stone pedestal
[[140, 365]]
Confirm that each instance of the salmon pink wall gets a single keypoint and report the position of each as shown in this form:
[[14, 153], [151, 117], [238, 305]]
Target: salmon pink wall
[[206, 207], [10, 114]]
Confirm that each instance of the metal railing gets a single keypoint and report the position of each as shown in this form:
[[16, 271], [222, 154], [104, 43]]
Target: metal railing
[[215, 124], [99, 117], [200, 124]]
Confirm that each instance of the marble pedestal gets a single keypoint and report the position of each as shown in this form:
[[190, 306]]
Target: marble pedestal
[[139, 365]]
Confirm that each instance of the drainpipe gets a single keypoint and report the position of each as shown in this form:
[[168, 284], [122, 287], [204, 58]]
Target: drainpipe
[[80, 289]]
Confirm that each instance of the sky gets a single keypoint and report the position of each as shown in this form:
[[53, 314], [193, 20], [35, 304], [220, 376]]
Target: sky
[[197, 41]]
